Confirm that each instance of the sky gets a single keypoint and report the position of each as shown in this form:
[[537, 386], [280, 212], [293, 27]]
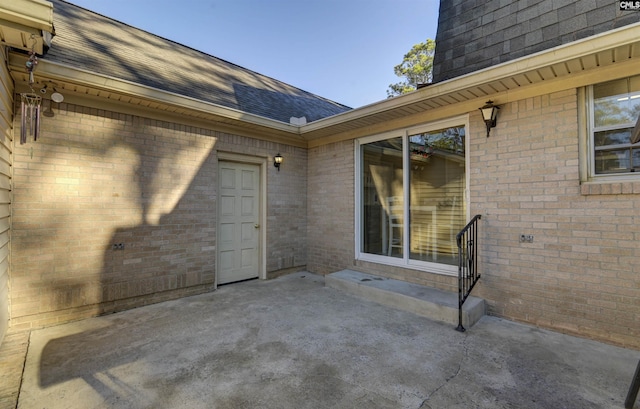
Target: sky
[[343, 50]]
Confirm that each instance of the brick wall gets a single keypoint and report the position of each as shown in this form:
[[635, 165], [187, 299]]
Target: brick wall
[[331, 207], [580, 275], [286, 202], [98, 178]]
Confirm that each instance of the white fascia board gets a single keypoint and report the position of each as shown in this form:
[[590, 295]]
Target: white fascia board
[[590, 45], [66, 73], [29, 13]]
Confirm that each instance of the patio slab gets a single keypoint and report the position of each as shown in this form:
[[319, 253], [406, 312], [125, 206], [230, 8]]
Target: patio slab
[[292, 342]]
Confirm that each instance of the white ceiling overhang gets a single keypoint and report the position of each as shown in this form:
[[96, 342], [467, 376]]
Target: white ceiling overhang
[[26, 24], [595, 59], [610, 55], [109, 93]]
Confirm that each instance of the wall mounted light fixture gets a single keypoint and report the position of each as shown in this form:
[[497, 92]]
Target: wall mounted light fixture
[[489, 114], [277, 160], [56, 96]]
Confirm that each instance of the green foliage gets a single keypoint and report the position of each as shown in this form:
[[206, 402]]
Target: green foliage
[[416, 68], [449, 139]]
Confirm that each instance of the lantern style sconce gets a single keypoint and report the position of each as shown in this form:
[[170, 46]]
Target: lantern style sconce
[[489, 114], [277, 160]]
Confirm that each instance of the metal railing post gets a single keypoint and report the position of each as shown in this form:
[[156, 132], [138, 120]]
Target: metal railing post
[[467, 241], [633, 390], [460, 284]]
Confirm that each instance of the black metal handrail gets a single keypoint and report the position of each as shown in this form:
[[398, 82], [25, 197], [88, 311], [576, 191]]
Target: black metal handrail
[[468, 275], [633, 389]]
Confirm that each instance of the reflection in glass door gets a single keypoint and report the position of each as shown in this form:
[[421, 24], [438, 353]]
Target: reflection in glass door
[[382, 198], [437, 184], [424, 230]]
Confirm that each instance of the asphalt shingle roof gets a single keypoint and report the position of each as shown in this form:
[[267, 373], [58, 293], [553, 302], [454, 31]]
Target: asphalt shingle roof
[[92, 42], [476, 34]]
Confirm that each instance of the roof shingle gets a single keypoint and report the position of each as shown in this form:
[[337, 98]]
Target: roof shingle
[[95, 43]]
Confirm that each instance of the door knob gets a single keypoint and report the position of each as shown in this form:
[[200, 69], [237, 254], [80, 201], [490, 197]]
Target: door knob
[[257, 226]]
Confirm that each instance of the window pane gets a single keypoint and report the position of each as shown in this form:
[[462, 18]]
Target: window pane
[[616, 137], [437, 181], [612, 161], [616, 107], [616, 102], [382, 193], [635, 153]]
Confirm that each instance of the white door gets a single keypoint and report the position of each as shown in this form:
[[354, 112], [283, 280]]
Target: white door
[[238, 222]]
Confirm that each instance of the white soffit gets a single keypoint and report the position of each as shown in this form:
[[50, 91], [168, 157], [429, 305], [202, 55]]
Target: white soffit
[[607, 49], [26, 24], [555, 66]]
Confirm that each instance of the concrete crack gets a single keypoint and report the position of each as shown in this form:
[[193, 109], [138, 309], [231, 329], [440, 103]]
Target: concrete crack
[[465, 349], [24, 365]]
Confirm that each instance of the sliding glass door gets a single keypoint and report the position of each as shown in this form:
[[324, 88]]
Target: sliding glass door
[[412, 195]]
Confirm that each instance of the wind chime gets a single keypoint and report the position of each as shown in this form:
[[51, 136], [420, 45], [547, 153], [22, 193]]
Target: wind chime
[[30, 105]]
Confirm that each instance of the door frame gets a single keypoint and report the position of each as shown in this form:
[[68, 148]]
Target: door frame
[[405, 133], [262, 163]]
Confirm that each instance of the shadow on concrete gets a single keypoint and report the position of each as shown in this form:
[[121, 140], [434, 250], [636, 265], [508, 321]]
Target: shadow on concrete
[[292, 342]]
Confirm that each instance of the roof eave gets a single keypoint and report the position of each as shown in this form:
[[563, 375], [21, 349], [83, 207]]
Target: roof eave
[[609, 40], [445, 95], [26, 24], [70, 75]]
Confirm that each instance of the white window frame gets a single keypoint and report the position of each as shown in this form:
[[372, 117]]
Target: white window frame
[[405, 261], [591, 148]]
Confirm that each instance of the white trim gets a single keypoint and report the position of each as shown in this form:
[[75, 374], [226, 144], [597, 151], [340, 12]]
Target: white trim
[[584, 157], [357, 185], [547, 58], [396, 133], [467, 169], [262, 162], [406, 197], [473, 83], [405, 261], [428, 267], [71, 74]]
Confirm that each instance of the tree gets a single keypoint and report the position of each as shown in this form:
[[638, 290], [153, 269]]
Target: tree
[[416, 68]]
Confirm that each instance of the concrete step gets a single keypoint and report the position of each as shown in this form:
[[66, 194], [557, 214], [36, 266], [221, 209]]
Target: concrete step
[[425, 301]]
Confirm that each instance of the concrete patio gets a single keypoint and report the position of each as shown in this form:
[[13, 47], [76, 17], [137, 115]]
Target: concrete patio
[[292, 342]]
